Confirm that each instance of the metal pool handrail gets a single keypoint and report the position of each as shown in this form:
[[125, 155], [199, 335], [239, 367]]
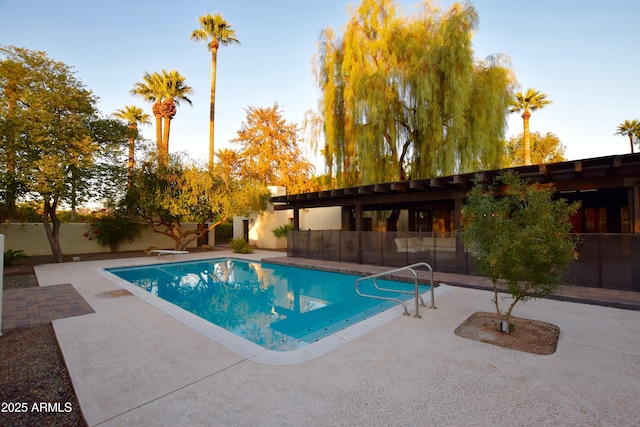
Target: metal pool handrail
[[415, 279]]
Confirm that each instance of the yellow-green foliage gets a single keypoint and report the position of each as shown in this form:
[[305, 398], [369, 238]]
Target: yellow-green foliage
[[240, 246], [544, 149], [403, 97], [168, 197]]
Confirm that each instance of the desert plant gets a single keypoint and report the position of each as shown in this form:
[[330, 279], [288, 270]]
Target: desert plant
[[518, 233], [112, 230], [240, 246], [11, 255], [282, 231]]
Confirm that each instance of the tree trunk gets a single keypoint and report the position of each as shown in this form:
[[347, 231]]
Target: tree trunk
[[392, 221], [11, 191], [525, 143], [12, 143], [495, 297], [157, 113], [212, 104], [165, 142], [74, 196], [631, 141], [130, 161], [132, 150], [182, 244], [52, 229]]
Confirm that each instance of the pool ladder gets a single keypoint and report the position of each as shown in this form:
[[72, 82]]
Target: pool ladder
[[416, 293]]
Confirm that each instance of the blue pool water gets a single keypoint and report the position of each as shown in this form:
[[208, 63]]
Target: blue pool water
[[277, 307]]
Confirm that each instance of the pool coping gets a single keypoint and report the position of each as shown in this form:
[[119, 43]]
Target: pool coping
[[254, 352], [132, 364]]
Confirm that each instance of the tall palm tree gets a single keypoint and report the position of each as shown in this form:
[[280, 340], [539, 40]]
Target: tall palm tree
[[219, 32], [532, 100], [630, 128], [175, 91], [152, 89], [134, 116]]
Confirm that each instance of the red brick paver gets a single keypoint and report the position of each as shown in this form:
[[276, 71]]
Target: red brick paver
[[26, 307]]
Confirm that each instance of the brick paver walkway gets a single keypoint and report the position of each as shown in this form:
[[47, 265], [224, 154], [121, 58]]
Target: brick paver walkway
[[26, 307]]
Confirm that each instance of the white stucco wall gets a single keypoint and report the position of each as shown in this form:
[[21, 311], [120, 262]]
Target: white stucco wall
[[261, 226], [329, 218], [237, 227], [261, 234]]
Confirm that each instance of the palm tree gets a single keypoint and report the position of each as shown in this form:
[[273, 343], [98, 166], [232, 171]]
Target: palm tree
[[134, 116], [630, 128], [152, 89], [175, 91], [530, 101], [220, 32]]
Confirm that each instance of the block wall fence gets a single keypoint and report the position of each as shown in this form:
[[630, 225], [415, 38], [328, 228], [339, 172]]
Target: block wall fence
[[32, 239]]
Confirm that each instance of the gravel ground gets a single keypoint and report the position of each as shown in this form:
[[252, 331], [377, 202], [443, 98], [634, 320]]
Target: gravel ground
[[35, 388], [19, 281]]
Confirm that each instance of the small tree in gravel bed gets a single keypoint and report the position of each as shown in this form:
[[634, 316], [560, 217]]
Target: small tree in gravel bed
[[518, 233]]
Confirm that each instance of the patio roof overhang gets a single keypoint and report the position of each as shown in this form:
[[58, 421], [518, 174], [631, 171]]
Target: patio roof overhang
[[620, 171]]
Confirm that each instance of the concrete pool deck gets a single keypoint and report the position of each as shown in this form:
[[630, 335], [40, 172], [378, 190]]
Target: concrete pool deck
[[134, 363]]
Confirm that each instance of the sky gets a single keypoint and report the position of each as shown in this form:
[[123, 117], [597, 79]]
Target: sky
[[582, 54]]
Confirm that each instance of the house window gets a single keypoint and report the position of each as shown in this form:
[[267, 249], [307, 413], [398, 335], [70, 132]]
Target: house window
[[442, 222], [624, 219], [595, 220]]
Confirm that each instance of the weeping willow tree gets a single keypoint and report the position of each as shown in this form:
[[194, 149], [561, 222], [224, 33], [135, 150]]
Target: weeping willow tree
[[404, 98]]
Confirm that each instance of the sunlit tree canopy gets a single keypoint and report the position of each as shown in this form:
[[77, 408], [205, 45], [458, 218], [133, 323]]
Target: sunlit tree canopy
[[168, 197], [544, 149], [269, 151], [404, 98], [55, 149]]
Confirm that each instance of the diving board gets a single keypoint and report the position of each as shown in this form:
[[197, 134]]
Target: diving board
[[161, 252]]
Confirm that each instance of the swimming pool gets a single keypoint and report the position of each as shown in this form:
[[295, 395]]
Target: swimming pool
[[277, 307]]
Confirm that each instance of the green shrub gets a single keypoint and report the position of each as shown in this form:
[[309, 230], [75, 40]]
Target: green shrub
[[11, 255], [111, 230], [240, 246], [25, 212], [224, 232], [67, 216]]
